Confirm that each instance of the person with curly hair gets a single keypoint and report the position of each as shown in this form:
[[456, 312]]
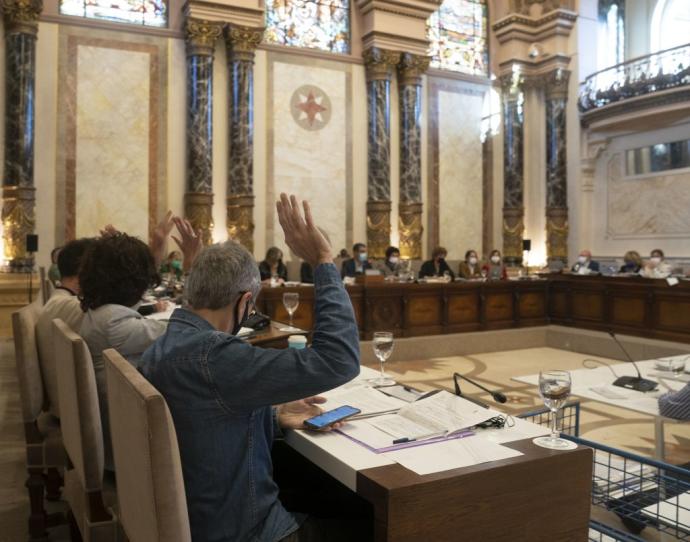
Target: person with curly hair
[[115, 273]]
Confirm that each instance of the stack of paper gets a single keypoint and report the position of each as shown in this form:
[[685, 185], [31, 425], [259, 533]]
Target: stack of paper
[[367, 399]]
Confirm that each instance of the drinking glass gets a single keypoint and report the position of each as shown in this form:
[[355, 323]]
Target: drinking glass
[[290, 302], [677, 367], [484, 273], [554, 388], [383, 348]]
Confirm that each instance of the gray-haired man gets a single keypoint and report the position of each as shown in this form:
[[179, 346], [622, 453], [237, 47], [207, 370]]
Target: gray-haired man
[[220, 390]]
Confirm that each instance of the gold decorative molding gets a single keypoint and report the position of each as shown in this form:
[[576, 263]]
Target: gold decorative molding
[[557, 234], [240, 220], [380, 63], [512, 84], [556, 84], [411, 230], [242, 41], [18, 220], [378, 228], [411, 68], [513, 229], [198, 209], [201, 36], [528, 7], [21, 16]]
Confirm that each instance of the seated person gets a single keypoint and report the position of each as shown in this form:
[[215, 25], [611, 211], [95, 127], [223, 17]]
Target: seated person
[[359, 262], [225, 415], [585, 265], [656, 267], [54, 270], [437, 265], [676, 404], [63, 304], [273, 266], [469, 269], [632, 262], [390, 267], [172, 265], [494, 269]]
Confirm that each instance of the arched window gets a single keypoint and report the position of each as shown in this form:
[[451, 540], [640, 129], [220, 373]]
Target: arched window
[[141, 12], [457, 33], [315, 24], [611, 43], [670, 24]]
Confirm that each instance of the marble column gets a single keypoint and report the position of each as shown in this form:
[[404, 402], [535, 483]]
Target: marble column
[[241, 43], [410, 72], [18, 193], [513, 167], [379, 64], [201, 37], [556, 93]]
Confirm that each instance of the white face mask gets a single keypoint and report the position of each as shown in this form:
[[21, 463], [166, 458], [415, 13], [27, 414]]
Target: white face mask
[[582, 259], [394, 260], [362, 256], [496, 259], [655, 260], [473, 260]]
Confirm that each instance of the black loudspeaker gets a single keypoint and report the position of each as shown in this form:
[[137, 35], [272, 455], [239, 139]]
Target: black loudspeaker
[[32, 242], [526, 245]]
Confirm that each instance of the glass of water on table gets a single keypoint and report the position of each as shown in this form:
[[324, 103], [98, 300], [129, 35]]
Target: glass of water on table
[[383, 348], [554, 388], [290, 302]]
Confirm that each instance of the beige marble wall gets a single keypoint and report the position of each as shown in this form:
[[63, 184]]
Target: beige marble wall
[[315, 163], [460, 172]]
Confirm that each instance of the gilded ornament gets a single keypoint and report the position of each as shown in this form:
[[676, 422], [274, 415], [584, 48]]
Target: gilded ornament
[[556, 84], [242, 41], [21, 16], [380, 63], [557, 234], [378, 227], [201, 36], [411, 230], [513, 229], [18, 220], [240, 220], [199, 212], [411, 68]]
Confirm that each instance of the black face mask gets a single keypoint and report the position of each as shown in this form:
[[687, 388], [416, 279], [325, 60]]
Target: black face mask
[[239, 322]]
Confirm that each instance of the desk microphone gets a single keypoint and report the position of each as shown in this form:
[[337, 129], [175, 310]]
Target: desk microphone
[[636, 383], [496, 395]]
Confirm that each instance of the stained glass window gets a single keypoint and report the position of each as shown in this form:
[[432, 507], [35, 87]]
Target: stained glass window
[[315, 24], [457, 33], [143, 12]]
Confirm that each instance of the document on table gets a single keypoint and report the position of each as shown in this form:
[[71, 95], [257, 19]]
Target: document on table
[[442, 413], [674, 511], [369, 400], [451, 454]]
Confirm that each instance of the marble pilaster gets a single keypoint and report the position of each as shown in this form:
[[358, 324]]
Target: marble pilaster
[[18, 195], [556, 92], [410, 208], [201, 37], [513, 167], [241, 43], [379, 64]]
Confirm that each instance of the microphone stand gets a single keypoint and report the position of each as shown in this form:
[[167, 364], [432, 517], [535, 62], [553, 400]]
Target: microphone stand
[[496, 395], [636, 383]]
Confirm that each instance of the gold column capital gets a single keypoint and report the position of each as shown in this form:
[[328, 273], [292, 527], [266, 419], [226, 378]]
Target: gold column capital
[[198, 208], [411, 68], [380, 63], [411, 230], [242, 41], [556, 84], [240, 220], [21, 16], [378, 228], [512, 83], [201, 36]]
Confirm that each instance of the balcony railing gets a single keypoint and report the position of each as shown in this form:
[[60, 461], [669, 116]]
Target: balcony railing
[[638, 77]]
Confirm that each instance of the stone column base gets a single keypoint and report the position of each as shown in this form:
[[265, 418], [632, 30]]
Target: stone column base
[[18, 220], [557, 234], [411, 230], [378, 228], [240, 220], [198, 209], [513, 228]]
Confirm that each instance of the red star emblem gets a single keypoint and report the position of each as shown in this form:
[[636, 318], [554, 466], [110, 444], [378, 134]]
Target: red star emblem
[[311, 108]]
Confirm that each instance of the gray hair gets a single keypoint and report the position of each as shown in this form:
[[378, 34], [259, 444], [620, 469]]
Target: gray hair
[[220, 274]]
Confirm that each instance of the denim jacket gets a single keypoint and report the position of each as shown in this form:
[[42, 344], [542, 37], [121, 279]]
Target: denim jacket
[[220, 391]]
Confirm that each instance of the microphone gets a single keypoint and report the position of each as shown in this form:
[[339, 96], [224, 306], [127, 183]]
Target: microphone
[[636, 383], [496, 395]]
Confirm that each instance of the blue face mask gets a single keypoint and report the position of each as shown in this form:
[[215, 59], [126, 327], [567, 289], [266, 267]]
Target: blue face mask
[[362, 256]]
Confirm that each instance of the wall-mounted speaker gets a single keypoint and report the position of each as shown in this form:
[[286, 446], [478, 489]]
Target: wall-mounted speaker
[[32, 242], [526, 245]]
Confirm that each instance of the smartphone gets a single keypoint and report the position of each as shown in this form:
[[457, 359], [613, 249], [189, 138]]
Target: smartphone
[[325, 420]]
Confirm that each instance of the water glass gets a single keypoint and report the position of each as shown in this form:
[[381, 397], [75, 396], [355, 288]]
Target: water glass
[[554, 388], [383, 348], [291, 302]]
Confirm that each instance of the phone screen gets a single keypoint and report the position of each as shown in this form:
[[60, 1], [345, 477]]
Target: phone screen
[[332, 416]]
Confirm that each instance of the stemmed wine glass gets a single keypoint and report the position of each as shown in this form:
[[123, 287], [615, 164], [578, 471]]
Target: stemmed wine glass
[[290, 302], [383, 348], [554, 388]]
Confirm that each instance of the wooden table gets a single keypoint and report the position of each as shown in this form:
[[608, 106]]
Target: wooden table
[[271, 337]]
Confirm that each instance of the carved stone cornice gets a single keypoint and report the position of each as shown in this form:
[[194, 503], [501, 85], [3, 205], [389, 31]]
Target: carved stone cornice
[[565, 15], [411, 69], [416, 9], [526, 7], [556, 84], [380, 63], [21, 16], [201, 36], [512, 84], [242, 41], [249, 14]]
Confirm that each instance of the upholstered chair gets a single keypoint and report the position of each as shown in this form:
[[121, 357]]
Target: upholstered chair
[[153, 506], [45, 455], [89, 498]]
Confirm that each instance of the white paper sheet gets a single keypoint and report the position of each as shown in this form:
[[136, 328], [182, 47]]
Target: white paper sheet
[[369, 400], [673, 511], [397, 426], [451, 454]]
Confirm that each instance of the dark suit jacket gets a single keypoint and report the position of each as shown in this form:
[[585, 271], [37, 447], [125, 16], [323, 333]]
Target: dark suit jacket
[[429, 270], [306, 273], [592, 266], [349, 268], [265, 270]]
